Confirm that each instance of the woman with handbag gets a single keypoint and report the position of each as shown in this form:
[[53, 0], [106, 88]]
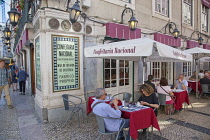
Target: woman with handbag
[[163, 88]]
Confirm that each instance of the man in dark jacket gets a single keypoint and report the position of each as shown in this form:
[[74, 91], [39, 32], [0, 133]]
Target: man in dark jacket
[[22, 76], [149, 81]]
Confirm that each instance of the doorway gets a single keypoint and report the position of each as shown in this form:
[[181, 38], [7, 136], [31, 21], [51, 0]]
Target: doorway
[[117, 76]]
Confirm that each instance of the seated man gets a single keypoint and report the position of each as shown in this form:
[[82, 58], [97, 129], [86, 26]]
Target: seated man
[[181, 83], [149, 81], [105, 110], [193, 77], [201, 74]]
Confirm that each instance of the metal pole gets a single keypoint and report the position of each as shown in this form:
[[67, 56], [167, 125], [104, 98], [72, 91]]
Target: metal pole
[[196, 67]]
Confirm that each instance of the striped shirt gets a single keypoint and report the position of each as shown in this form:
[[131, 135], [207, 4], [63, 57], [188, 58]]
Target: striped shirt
[[3, 77]]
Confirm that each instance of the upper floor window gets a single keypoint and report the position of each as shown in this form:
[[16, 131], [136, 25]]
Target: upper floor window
[[204, 18], [162, 7], [187, 12]]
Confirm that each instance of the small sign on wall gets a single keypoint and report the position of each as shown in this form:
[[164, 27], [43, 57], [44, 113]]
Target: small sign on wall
[[65, 63]]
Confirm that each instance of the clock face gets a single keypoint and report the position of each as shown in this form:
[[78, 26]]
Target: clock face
[[65, 25], [54, 23]]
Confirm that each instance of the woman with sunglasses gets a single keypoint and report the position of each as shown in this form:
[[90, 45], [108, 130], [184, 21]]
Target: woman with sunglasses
[[148, 97]]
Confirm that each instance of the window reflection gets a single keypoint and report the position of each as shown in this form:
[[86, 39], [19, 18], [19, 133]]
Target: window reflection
[[110, 73]]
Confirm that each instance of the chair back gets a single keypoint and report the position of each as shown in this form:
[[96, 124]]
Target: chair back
[[126, 96], [65, 101], [162, 98], [101, 123], [204, 88], [189, 89]]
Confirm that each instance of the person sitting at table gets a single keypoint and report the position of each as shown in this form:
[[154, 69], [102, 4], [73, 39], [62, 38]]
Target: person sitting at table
[[149, 81], [205, 80], [148, 97], [163, 88], [181, 83], [193, 77], [105, 110], [201, 74]]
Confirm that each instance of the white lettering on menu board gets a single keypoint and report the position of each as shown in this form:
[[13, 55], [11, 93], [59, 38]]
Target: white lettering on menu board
[[65, 63]]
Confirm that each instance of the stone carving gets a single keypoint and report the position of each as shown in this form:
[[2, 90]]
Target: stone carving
[[88, 29], [77, 27], [65, 25], [54, 23]]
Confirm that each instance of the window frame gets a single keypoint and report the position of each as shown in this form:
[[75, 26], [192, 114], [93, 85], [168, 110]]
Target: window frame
[[168, 8], [191, 12], [188, 65], [123, 2], [207, 15], [117, 78]]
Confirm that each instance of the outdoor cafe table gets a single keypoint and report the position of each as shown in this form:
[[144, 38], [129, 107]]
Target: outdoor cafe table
[[140, 119], [181, 97], [91, 100]]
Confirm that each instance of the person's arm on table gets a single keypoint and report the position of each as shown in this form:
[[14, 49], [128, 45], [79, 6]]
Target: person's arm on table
[[114, 113]]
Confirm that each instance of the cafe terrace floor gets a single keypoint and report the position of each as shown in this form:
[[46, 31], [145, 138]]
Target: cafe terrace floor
[[21, 123]]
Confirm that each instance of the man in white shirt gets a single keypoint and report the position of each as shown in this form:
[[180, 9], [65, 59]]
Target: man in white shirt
[[181, 83], [201, 74]]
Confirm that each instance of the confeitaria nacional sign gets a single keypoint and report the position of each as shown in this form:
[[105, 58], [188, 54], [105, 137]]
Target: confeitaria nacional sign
[[65, 63], [38, 60]]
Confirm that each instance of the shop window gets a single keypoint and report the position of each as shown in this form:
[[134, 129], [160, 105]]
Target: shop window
[[161, 69], [156, 71], [162, 7], [187, 69], [204, 18], [123, 73], [110, 74], [187, 12], [116, 72]]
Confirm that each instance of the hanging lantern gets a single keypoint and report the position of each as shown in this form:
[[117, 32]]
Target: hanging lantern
[[14, 16], [75, 12]]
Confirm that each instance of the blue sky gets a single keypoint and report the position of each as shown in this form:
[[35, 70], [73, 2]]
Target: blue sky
[[7, 8]]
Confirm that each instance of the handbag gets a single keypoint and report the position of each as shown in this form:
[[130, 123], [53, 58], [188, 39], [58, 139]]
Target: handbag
[[167, 107]]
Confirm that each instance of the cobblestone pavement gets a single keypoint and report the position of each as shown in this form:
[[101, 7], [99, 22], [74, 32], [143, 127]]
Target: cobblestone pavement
[[22, 123]]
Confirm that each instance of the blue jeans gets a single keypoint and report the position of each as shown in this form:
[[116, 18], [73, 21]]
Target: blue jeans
[[126, 125]]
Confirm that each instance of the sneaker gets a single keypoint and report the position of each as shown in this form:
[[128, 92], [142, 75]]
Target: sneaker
[[10, 107], [24, 94], [20, 93]]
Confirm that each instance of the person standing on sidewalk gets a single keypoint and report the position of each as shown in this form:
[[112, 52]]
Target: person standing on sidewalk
[[22, 76], [4, 83]]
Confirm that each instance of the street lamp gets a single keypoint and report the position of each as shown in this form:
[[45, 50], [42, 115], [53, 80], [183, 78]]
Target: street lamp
[[6, 42], [200, 40], [176, 33], [7, 33], [172, 30], [14, 16], [75, 12], [132, 22]]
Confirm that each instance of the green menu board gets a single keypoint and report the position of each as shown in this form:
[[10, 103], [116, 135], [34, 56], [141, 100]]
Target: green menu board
[[65, 63], [38, 68]]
